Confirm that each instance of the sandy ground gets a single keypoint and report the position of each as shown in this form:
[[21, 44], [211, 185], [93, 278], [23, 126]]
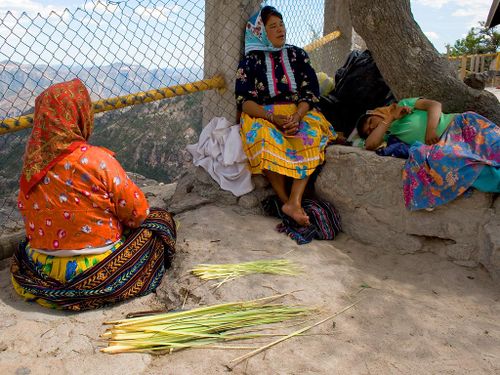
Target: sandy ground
[[422, 314]]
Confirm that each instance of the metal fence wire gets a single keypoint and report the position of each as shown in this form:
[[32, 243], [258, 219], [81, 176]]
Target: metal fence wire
[[118, 48]]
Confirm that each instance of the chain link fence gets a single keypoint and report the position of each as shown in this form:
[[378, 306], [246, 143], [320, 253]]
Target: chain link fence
[[118, 48]]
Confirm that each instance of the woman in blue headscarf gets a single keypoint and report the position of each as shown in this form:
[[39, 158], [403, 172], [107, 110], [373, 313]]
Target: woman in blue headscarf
[[284, 135]]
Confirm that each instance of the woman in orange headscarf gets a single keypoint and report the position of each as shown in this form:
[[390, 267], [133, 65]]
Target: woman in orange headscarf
[[76, 201]]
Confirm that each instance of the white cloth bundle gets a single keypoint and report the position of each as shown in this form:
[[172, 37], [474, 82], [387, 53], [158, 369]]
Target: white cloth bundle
[[220, 152]]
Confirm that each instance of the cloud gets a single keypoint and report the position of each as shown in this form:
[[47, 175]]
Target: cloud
[[431, 35], [433, 3], [475, 11], [160, 13], [17, 7], [100, 7], [462, 13], [16, 17], [455, 3]]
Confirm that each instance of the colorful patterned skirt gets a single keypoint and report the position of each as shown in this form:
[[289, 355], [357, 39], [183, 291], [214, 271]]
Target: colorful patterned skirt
[[325, 220], [134, 269], [295, 156], [436, 174]]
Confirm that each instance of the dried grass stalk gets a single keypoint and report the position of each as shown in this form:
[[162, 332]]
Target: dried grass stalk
[[202, 327], [231, 271]]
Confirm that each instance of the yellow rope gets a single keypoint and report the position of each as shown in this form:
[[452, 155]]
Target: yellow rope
[[14, 124], [322, 41]]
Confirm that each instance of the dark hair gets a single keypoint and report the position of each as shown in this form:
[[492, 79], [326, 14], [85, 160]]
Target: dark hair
[[359, 125], [269, 11]]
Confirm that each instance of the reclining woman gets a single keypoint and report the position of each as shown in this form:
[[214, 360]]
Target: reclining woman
[[283, 133], [77, 202], [460, 151]]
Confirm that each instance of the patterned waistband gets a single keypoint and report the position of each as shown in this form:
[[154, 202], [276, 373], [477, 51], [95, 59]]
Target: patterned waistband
[[75, 253]]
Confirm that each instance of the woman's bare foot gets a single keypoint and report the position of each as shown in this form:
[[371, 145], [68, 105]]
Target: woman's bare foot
[[297, 213]]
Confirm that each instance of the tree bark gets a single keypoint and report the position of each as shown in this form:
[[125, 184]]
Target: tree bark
[[225, 22], [409, 63], [337, 17]]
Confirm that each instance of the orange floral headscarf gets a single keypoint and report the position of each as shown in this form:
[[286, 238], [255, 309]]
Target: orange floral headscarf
[[63, 120]]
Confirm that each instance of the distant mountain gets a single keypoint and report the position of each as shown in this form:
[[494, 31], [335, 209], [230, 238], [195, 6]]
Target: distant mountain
[[148, 139], [21, 83]]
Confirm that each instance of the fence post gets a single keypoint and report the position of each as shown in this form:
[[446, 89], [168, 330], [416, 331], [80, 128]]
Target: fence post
[[472, 68], [463, 67], [225, 22], [497, 69], [477, 64]]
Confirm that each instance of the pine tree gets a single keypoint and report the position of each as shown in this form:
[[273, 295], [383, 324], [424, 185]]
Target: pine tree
[[478, 40]]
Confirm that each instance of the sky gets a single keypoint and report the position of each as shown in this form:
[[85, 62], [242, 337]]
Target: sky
[[443, 21]]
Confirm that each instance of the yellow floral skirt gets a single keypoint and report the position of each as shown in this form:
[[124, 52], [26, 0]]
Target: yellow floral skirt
[[297, 156]]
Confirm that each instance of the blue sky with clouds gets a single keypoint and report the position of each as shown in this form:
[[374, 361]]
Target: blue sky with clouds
[[443, 21]]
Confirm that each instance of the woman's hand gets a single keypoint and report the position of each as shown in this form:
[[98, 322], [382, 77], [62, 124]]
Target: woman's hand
[[403, 111], [291, 127], [431, 136], [433, 109], [280, 121]]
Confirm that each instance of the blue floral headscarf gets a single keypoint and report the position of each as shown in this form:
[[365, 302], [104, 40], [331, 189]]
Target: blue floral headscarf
[[256, 37]]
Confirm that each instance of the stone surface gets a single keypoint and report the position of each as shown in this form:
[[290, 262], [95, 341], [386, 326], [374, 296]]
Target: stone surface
[[477, 80], [489, 249], [9, 242], [141, 180], [260, 182], [417, 314], [196, 182], [159, 195], [367, 190], [248, 201]]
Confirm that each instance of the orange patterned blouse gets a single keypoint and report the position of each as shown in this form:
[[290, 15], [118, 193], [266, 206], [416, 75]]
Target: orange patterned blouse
[[82, 202]]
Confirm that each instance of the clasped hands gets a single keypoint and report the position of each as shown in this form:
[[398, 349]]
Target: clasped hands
[[289, 125]]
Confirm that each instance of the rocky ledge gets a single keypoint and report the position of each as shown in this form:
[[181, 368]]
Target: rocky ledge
[[367, 189]]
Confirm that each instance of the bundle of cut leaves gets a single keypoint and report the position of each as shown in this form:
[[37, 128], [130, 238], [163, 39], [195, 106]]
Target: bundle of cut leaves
[[228, 272], [202, 327]]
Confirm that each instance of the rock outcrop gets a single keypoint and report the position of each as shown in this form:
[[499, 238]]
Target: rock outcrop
[[196, 188], [367, 190]]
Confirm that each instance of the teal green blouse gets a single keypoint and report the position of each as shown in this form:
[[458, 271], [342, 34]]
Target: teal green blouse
[[412, 127]]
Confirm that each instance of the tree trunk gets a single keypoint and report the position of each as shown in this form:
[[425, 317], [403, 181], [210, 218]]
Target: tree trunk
[[337, 17], [409, 63], [225, 22]]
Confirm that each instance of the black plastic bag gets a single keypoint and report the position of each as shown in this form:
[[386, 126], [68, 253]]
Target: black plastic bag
[[359, 86]]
